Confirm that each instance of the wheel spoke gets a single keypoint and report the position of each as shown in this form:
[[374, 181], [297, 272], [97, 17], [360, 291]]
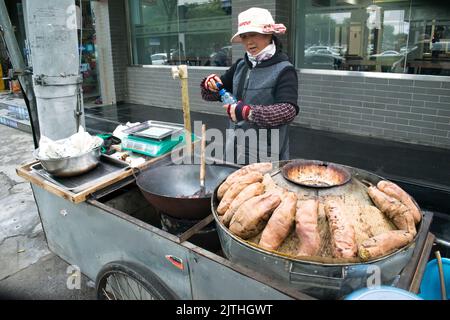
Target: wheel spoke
[[120, 289], [131, 289], [118, 285], [106, 294], [111, 287]]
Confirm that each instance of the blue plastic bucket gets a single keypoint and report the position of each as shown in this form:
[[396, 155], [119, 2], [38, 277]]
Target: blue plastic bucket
[[430, 287], [382, 293]]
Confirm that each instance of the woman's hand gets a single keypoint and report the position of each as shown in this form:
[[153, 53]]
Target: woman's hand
[[231, 110], [211, 82], [238, 111]]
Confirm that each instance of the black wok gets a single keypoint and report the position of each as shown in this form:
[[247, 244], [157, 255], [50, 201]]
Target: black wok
[[174, 189]]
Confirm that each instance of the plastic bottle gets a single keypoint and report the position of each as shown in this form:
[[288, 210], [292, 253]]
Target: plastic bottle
[[225, 96]]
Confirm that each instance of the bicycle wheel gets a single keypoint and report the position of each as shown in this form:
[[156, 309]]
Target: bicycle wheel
[[127, 281]]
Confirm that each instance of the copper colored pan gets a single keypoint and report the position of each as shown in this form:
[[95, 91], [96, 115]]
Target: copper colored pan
[[315, 174]]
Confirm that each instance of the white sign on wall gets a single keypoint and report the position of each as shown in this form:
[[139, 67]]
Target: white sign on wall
[[374, 19]]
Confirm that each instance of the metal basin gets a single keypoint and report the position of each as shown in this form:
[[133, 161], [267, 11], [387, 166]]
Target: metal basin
[[316, 174], [320, 278], [70, 166]]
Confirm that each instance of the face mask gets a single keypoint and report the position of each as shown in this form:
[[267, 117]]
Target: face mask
[[265, 54]]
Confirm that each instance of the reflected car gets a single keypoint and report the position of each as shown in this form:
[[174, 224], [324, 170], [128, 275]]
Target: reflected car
[[323, 49], [323, 59], [388, 53], [159, 58], [222, 57]]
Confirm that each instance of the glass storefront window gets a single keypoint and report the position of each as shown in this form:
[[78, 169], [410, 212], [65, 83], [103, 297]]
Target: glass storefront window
[[193, 32], [401, 36]]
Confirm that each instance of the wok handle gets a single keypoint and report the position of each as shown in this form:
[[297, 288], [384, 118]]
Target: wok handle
[[202, 157]]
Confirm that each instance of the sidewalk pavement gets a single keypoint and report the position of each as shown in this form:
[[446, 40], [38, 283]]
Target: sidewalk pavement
[[28, 270]]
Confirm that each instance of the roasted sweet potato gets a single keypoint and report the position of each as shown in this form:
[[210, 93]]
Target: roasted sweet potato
[[262, 168], [394, 191], [393, 209], [252, 190], [280, 223], [343, 242], [306, 227], [252, 215], [383, 244], [236, 188]]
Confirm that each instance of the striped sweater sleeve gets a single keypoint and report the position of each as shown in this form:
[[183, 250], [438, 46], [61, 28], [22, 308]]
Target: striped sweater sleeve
[[272, 115]]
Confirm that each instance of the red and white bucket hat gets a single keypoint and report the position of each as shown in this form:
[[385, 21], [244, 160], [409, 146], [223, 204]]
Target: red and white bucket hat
[[257, 20]]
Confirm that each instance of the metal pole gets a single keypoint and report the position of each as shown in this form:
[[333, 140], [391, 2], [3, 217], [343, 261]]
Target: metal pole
[[19, 66], [52, 35]]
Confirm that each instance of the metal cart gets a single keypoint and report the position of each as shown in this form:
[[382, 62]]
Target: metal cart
[[115, 237]]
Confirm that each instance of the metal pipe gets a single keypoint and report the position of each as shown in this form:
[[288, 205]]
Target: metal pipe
[[52, 34], [18, 64]]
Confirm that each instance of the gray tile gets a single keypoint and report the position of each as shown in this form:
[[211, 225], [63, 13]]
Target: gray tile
[[353, 115], [371, 117], [444, 99], [430, 91], [384, 125], [396, 107], [396, 120], [435, 132], [425, 97], [380, 106], [352, 103], [427, 111], [339, 107], [427, 84], [393, 88], [376, 80], [437, 105], [442, 126], [436, 119], [334, 78], [400, 82], [421, 124], [330, 100], [385, 113], [386, 100], [412, 129], [363, 110], [420, 137], [308, 110], [361, 122], [445, 113]]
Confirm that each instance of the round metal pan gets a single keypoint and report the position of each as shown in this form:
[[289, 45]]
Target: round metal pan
[[315, 174]]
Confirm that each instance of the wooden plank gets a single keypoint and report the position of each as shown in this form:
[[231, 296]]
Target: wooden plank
[[25, 172], [196, 228], [421, 266], [107, 181], [407, 274]]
